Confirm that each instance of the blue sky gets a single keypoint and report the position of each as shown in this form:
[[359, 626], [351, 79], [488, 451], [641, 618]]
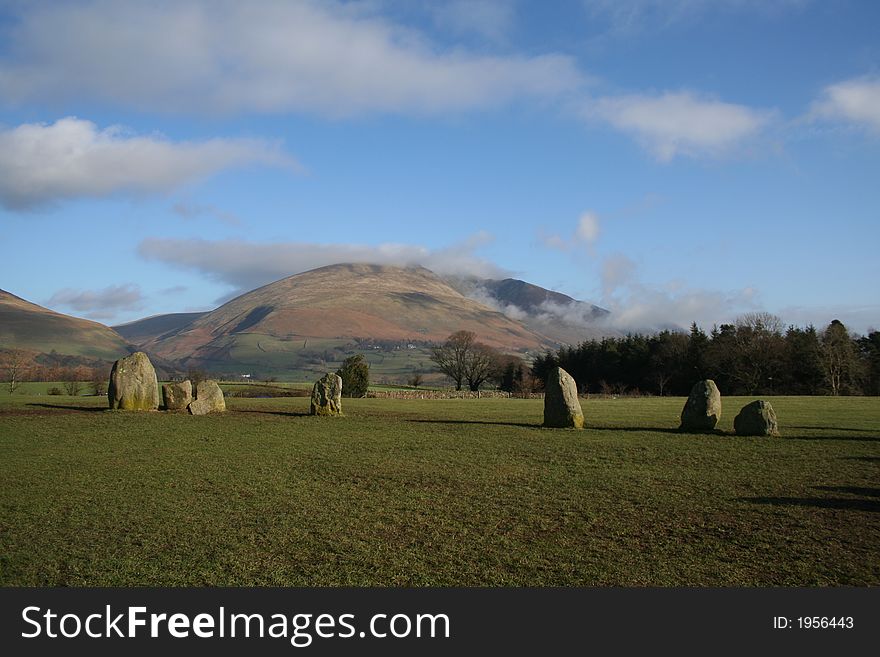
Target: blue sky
[[673, 161]]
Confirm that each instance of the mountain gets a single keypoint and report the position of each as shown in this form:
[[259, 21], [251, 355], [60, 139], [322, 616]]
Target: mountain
[[145, 330], [557, 316], [332, 305], [534, 299], [25, 325]]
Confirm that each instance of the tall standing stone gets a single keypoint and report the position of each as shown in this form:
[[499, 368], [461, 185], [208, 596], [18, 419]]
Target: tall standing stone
[[702, 410], [209, 398], [133, 384], [327, 396], [561, 406], [177, 396], [756, 419]]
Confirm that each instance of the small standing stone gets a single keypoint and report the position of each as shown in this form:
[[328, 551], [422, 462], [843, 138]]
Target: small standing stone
[[327, 396], [177, 396], [561, 406], [756, 419], [133, 384], [209, 399], [702, 410]]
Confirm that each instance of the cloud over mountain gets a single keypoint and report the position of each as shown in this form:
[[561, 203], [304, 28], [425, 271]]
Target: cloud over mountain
[[245, 265]]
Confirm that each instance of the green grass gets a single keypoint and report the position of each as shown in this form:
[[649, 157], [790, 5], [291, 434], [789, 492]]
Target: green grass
[[416, 493]]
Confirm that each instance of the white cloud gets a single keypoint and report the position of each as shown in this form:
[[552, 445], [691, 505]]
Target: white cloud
[[246, 265], [553, 241], [99, 304], [197, 56], [586, 233], [588, 227], [856, 101], [72, 158], [860, 319], [646, 308], [617, 271], [637, 306], [680, 123]]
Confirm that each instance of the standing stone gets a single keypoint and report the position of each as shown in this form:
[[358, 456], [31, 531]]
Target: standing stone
[[702, 410], [327, 396], [133, 384], [209, 399], [561, 406], [177, 396], [756, 419]]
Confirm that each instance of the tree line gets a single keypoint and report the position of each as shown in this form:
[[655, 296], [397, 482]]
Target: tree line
[[756, 354], [18, 366]]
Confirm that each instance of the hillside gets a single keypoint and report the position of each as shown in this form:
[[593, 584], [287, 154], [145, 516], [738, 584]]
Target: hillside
[[145, 330], [25, 325]]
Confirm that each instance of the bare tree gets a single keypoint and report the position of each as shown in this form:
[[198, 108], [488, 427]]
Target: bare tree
[[479, 363], [839, 357], [14, 362], [463, 359], [759, 349], [451, 357], [98, 381]]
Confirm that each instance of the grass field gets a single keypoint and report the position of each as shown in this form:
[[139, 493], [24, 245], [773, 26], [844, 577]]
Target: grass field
[[417, 493]]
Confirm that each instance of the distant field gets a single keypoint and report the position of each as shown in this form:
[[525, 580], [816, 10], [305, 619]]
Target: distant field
[[419, 493], [306, 359]]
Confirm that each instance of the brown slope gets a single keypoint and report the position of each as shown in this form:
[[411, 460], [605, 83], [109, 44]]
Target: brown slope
[[350, 301], [25, 325], [143, 331]]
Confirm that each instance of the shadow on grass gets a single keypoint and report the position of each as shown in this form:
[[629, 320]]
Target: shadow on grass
[[852, 490], [869, 439], [847, 504], [281, 413], [537, 425], [487, 422], [676, 432], [65, 407], [824, 428]]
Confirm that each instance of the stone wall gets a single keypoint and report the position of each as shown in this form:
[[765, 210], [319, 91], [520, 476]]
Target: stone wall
[[438, 394]]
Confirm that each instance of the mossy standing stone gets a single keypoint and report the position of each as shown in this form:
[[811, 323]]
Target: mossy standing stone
[[177, 396], [209, 398], [133, 384], [561, 406], [756, 419], [702, 410], [327, 396]]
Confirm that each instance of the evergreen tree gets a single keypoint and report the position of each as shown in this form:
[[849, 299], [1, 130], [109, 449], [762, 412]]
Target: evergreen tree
[[802, 374], [698, 347], [869, 350], [355, 373]]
